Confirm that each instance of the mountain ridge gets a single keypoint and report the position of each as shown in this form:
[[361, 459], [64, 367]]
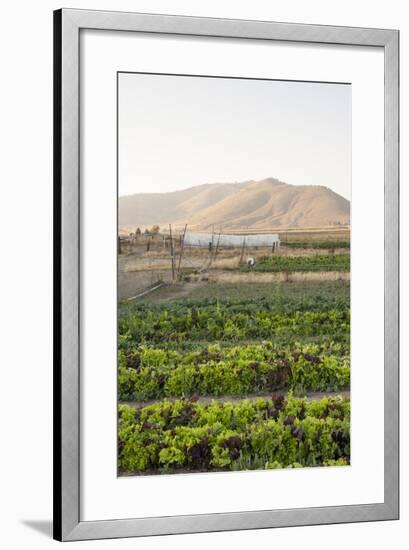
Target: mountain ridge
[[240, 205]]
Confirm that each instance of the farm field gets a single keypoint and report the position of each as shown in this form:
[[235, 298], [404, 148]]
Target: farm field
[[317, 244], [316, 262], [233, 284], [300, 290], [219, 376], [266, 434], [144, 262]]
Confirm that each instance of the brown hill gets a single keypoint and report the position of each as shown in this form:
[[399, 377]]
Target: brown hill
[[246, 205]]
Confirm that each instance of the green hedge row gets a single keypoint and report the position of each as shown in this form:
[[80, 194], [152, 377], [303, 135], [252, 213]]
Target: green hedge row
[[148, 373], [183, 435]]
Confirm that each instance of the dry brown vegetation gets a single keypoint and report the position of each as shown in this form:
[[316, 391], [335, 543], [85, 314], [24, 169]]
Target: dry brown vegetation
[[251, 205], [235, 277], [139, 268]]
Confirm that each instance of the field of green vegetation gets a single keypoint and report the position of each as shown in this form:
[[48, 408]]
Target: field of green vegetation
[[185, 435], [295, 292], [324, 245], [316, 262], [216, 381]]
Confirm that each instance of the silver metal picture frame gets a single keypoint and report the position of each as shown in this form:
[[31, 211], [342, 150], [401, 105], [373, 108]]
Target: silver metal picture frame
[[67, 26]]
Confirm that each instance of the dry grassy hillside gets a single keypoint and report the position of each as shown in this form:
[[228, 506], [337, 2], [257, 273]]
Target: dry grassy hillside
[[251, 205]]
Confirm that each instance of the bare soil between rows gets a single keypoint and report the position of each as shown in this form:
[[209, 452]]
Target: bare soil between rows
[[206, 400]]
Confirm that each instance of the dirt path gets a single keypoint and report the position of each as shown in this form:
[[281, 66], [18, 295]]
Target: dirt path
[[139, 269], [254, 277], [205, 400]]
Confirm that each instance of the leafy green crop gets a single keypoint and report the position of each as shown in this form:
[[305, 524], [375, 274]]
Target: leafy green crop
[[218, 323], [319, 262], [277, 302], [240, 346], [183, 435], [151, 373], [316, 244]]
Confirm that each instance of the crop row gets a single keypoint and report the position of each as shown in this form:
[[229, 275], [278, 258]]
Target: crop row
[[319, 262], [316, 244], [184, 435], [150, 373], [214, 323], [275, 303]]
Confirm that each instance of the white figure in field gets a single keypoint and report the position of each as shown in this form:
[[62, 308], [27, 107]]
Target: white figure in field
[[251, 263]]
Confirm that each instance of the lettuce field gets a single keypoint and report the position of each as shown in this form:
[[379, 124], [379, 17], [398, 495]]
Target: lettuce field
[[237, 382]]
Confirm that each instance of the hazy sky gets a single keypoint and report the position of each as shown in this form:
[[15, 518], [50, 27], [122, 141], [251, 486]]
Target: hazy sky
[[178, 131]]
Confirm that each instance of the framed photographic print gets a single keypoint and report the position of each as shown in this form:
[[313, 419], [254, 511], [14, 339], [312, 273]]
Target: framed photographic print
[[226, 274]]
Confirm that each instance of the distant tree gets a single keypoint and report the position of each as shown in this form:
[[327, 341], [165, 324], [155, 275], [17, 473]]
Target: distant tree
[[138, 231], [146, 231], [155, 229]]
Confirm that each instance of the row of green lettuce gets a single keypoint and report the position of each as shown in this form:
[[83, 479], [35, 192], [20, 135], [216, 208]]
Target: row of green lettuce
[[180, 436], [219, 323], [147, 373], [278, 302], [317, 262]]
